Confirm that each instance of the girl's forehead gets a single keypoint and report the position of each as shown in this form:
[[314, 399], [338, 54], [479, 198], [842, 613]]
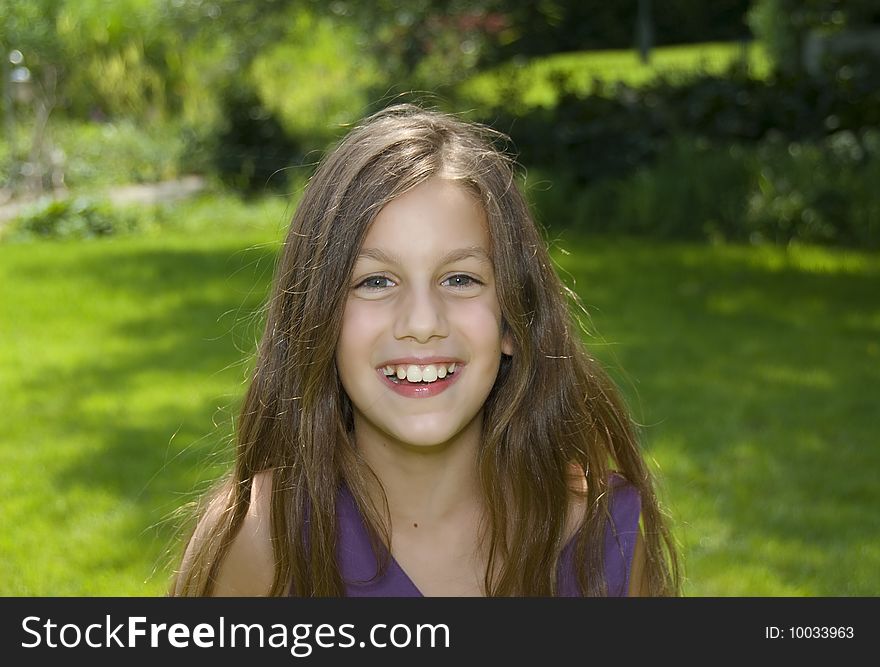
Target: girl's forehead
[[436, 213]]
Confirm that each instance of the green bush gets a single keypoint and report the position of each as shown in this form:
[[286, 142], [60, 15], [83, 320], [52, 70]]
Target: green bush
[[97, 153], [251, 152], [782, 25], [317, 79], [776, 191], [615, 130], [72, 218], [819, 192], [104, 153], [547, 27]]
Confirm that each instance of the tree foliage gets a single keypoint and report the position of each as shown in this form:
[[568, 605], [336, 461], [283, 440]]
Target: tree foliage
[[783, 25]]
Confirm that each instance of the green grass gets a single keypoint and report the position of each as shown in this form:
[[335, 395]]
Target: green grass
[[755, 371], [533, 83], [116, 359]]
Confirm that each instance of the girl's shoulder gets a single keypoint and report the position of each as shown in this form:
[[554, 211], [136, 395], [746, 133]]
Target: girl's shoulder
[[625, 498], [248, 568]]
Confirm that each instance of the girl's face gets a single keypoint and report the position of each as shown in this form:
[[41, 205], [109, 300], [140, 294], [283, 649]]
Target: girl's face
[[422, 296]]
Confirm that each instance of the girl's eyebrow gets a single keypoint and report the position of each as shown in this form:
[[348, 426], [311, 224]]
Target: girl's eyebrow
[[452, 256]]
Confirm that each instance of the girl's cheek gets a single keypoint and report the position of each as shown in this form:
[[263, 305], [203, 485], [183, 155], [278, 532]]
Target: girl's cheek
[[361, 324], [361, 314], [477, 313]]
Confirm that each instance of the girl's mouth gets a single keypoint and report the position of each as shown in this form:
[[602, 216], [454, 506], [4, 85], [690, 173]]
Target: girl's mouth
[[420, 389]]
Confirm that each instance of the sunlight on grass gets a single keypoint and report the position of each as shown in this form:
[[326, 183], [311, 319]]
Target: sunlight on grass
[[816, 378], [816, 260], [794, 257], [535, 82]]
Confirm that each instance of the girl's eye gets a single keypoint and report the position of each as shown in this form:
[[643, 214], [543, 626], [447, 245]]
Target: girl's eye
[[373, 282], [461, 280], [377, 283]]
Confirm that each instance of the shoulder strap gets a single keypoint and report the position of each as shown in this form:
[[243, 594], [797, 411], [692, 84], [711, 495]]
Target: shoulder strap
[[620, 541], [620, 535]]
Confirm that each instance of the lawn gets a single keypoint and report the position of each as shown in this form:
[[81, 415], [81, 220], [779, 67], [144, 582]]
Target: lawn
[[756, 375], [754, 370], [119, 363]]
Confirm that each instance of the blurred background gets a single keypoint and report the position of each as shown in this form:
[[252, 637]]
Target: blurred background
[[706, 175]]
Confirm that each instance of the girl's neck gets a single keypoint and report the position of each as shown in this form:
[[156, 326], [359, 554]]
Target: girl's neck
[[425, 486]]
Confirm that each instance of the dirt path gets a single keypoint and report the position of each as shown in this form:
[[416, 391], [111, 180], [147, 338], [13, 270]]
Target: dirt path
[[139, 193]]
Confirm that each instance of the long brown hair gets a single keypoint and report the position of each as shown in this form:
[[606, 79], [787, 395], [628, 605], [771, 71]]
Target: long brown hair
[[551, 410]]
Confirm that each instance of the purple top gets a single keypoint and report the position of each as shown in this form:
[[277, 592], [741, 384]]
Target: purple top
[[357, 562]]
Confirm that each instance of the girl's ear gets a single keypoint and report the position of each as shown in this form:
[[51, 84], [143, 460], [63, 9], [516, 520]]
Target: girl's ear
[[507, 342]]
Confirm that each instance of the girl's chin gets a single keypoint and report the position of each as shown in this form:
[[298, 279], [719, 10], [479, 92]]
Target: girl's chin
[[418, 440], [424, 434], [430, 430]]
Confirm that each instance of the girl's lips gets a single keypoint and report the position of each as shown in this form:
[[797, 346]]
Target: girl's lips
[[421, 390], [421, 362]]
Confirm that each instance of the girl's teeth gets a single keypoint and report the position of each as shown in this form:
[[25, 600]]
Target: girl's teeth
[[414, 374]]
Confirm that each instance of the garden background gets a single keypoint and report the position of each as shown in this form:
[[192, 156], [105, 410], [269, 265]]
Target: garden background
[[706, 173]]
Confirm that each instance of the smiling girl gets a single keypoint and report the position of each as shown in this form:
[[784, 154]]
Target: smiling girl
[[424, 418]]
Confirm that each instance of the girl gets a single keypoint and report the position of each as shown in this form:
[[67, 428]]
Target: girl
[[423, 418]]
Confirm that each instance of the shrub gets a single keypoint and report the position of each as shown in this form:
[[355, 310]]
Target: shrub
[[615, 130], [315, 80], [72, 218], [818, 192], [103, 153], [776, 191], [783, 25], [251, 151]]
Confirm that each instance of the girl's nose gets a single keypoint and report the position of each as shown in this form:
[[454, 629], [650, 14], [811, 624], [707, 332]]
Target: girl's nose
[[421, 315]]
